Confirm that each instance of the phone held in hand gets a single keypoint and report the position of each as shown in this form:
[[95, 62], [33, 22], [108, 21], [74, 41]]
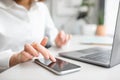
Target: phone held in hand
[[59, 67]]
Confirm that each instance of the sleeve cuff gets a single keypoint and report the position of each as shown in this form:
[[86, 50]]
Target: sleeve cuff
[[5, 58]]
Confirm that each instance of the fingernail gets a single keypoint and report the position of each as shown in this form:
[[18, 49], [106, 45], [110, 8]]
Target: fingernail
[[54, 60], [37, 55]]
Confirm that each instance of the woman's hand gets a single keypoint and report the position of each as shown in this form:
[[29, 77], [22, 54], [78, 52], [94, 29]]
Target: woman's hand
[[30, 51], [62, 39]]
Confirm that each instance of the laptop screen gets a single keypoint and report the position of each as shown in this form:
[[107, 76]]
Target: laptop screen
[[115, 56], [100, 56]]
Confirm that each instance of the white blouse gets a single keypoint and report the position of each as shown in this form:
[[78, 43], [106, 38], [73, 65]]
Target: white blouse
[[19, 26]]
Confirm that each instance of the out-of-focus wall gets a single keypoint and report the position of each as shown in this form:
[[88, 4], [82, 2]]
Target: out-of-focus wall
[[66, 22], [65, 13]]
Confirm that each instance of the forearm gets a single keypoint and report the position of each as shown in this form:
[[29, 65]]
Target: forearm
[[13, 60]]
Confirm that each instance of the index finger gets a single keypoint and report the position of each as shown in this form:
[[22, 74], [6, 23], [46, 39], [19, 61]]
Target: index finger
[[44, 51]]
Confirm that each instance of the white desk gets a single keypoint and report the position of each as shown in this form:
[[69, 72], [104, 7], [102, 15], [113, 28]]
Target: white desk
[[31, 71]]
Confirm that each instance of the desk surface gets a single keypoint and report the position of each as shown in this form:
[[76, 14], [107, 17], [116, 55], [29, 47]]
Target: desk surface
[[31, 71]]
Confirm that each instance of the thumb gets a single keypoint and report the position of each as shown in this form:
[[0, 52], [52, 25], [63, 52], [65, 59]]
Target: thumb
[[44, 41]]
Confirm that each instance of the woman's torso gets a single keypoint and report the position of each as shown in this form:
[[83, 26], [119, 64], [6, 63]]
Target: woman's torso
[[18, 26]]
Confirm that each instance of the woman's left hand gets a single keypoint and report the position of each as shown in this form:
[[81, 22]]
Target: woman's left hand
[[62, 38]]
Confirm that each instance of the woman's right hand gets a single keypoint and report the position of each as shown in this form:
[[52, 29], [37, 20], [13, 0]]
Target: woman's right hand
[[30, 51]]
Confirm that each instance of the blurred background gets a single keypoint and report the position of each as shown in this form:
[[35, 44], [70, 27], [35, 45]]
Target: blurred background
[[84, 17]]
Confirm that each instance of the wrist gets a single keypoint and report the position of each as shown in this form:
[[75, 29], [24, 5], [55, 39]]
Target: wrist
[[14, 60]]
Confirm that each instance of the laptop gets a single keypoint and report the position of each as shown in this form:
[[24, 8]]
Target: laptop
[[100, 56]]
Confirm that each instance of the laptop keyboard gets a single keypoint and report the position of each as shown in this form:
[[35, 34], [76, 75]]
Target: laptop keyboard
[[102, 56], [92, 50]]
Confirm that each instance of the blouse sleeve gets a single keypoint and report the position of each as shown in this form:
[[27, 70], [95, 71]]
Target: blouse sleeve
[[51, 30], [4, 59]]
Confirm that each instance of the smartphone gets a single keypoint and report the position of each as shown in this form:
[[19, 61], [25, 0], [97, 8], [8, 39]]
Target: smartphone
[[59, 67]]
